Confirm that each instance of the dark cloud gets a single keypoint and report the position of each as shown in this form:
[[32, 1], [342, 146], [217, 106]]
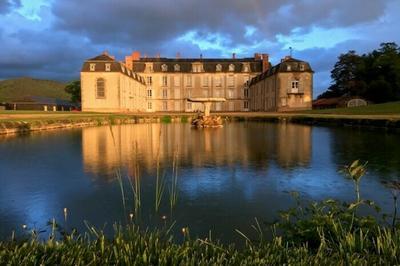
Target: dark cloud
[[152, 22]]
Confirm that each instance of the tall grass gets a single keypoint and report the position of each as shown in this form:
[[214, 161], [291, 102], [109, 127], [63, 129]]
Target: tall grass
[[173, 192]]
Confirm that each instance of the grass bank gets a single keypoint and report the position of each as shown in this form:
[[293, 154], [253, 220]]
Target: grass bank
[[391, 108]]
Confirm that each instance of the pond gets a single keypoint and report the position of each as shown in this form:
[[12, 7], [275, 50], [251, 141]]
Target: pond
[[226, 177]]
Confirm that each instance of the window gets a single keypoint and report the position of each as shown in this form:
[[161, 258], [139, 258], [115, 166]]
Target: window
[[197, 68], [189, 93], [177, 81], [301, 67], [165, 106], [230, 93], [205, 81], [149, 93], [289, 67], [218, 68], [245, 68], [177, 68], [165, 81], [231, 67], [231, 81], [246, 93], [164, 68], [189, 81], [92, 67], [295, 87], [177, 93], [165, 93], [149, 105], [149, 80], [218, 81], [246, 105], [108, 67], [283, 102], [189, 106], [100, 88]]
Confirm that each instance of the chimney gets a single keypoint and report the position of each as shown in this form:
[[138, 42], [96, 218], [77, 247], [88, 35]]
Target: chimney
[[234, 56], [136, 56], [265, 62], [178, 55], [257, 56]]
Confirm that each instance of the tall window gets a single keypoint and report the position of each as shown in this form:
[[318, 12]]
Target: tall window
[[165, 81], [205, 81], [295, 86], [149, 105], [100, 88], [189, 81], [149, 80], [218, 81], [189, 106], [246, 105], [177, 81], [165, 106], [246, 93], [149, 93], [231, 81], [165, 93]]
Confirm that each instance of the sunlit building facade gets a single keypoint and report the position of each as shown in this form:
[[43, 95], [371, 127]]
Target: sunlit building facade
[[158, 84]]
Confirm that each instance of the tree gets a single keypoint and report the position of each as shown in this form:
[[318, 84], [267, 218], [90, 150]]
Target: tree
[[374, 76], [74, 88]]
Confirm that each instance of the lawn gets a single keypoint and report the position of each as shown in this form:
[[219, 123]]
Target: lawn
[[373, 109]]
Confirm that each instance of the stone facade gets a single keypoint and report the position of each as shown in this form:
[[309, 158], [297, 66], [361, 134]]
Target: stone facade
[[287, 86], [170, 81], [108, 86], [142, 84]]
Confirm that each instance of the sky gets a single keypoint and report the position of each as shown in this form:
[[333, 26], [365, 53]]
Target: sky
[[50, 39]]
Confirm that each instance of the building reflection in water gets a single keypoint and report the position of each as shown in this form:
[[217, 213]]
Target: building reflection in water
[[249, 144]]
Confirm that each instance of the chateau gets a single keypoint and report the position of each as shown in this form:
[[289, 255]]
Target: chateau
[[157, 84]]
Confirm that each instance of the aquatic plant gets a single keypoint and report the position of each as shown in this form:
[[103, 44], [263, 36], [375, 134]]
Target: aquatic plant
[[173, 193]]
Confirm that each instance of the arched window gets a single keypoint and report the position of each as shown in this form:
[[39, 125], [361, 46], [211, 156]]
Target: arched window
[[231, 67], [100, 88], [218, 68]]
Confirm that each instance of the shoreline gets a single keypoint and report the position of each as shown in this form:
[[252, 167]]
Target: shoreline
[[21, 123]]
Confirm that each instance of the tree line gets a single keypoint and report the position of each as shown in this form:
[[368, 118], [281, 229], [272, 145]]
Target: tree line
[[374, 76]]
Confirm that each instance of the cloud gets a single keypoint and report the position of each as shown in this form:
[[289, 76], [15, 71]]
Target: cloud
[[51, 39]]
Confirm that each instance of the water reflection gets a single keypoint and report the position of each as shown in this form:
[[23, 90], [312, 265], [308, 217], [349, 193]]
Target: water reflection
[[106, 148]]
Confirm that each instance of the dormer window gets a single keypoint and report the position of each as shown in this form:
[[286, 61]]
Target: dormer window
[[123, 69], [164, 68], [231, 67], [301, 67], [108, 67], [245, 68], [288, 67], [92, 67], [177, 68], [197, 68], [218, 68]]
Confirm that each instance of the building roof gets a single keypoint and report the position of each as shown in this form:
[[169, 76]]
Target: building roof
[[288, 64], [43, 101], [209, 64], [100, 66]]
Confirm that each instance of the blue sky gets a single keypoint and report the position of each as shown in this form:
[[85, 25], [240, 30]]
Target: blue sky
[[51, 38]]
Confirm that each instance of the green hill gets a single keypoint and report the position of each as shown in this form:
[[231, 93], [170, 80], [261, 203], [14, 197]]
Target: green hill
[[19, 88]]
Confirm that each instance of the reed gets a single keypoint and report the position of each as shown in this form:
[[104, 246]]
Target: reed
[[173, 192]]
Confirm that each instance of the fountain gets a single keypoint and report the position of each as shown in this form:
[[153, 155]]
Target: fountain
[[207, 120]]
